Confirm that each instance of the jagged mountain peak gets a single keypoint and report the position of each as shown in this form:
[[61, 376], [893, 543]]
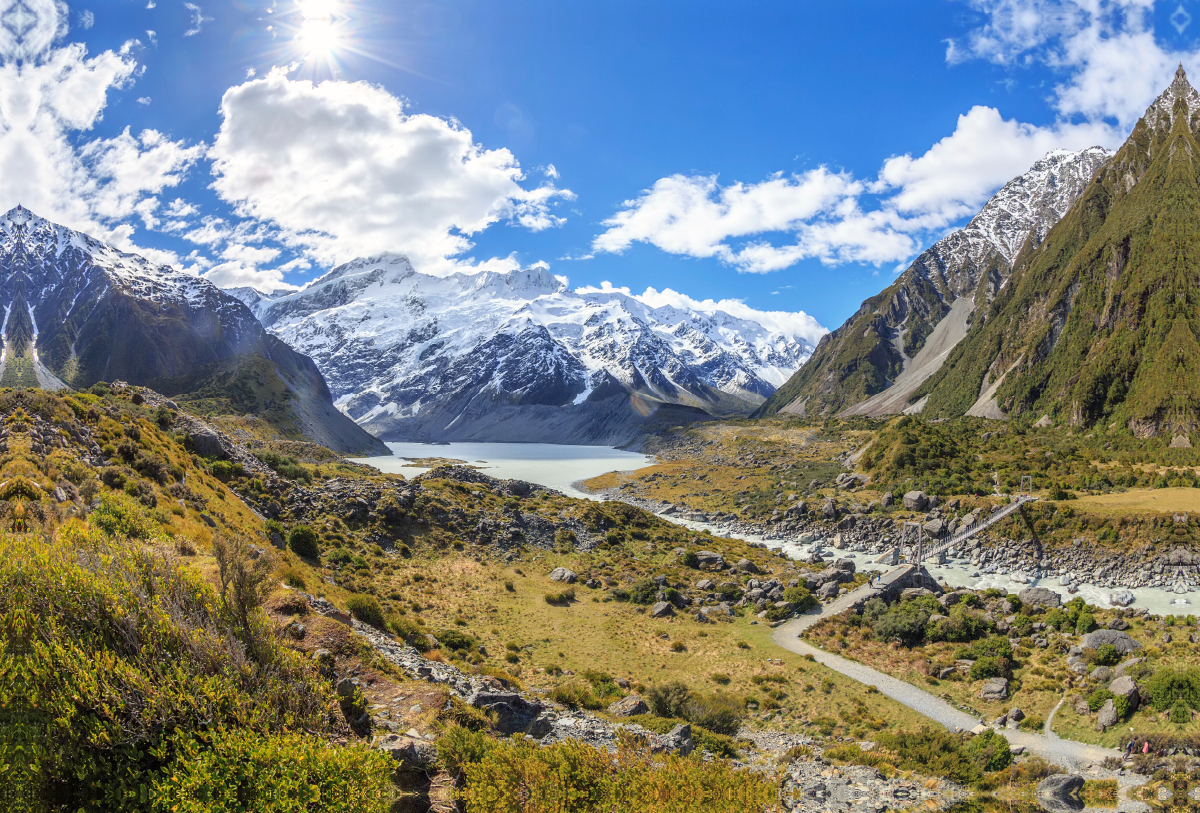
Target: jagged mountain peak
[[1162, 110]]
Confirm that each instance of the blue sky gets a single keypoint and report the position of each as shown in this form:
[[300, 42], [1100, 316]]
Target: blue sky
[[794, 155]]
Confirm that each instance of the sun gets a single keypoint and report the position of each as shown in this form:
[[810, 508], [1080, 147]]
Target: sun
[[323, 28]]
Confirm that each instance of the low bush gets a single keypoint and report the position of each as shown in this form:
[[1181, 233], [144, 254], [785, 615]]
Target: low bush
[[570, 776], [121, 516], [1167, 687], [367, 610], [303, 542], [562, 599]]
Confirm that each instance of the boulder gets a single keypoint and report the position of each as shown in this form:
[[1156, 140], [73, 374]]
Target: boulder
[[705, 584], [1125, 665], [711, 559], [679, 740], [628, 707], [1121, 640], [914, 592], [1101, 674], [1107, 718], [1060, 793], [1040, 597], [514, 713], [412, 754], [887, 500], [662, 609], [746, 566], [1016, 714], [935, 528], [829, 589], [1121, 598], [844, 565], [829, 509], [561, 574], [916, 501], [994, 690], [950, 599], [206, 442], [1117, 624], [1125, 686]]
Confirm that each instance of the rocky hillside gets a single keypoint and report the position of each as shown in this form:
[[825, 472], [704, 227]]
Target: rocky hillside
[[901, 336], [518, 356], [78, 311], [1100, 323]]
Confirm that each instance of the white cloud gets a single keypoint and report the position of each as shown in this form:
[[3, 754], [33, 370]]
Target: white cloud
[[1112, 63], [143, 100], [94, 186], [198, 19], [787, 322], [957, 175], [87, 19], [341, 171], [697, 217]]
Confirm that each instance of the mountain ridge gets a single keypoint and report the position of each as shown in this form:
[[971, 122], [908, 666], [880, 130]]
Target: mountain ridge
[[856, 367], [420, 357], [78, 311]]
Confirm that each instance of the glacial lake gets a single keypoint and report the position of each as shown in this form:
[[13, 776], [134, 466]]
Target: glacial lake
[[547, 464]]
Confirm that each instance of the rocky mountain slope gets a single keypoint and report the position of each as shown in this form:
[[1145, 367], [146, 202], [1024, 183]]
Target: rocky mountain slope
[[78, 311], [901, 336], [1100, 323], [518, 355]]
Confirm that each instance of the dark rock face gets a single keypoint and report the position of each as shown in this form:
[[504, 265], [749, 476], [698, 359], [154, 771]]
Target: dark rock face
[[1060, 793], [1121, 640], [514, 713], [629, 707], [80, 311]]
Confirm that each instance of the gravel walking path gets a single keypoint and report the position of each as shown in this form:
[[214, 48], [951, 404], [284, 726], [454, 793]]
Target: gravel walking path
[[1074, 756]]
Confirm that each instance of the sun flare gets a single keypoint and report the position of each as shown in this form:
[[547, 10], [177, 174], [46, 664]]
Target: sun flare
[[323, 30]]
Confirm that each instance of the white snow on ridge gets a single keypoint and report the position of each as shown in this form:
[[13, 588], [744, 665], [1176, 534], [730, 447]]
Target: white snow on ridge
[[378, 325]]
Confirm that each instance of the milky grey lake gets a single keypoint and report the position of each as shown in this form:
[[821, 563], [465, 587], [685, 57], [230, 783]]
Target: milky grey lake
[[548, 464]]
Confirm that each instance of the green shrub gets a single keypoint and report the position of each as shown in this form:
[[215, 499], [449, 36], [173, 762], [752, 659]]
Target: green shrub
[[1098, 698], [367, 610], [995, 646], [576, 696], [668, 699], [904, 622], [961, 626], [989, 750], [456, 640], [1167, 687], [644, 592], [989, 667], [1085, 624], [121, 516], [1107, 655], [303, 542], [562, 599], [801, 598], [1180, 713], [689, 559]]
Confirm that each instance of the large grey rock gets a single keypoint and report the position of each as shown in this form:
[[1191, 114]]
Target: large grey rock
[[662, 609], [1126, 665], [206, 443], [1121, 640], [412, 754], [561, 574], [746, 566], [679, 740], [829, 589], [1101, 674], [1040, 597], [994, 690], [1125, 686], [1060, 793], [628, 707], [711, 559], [916, 501], [514, 713], [1121, 598], [1107, 718], [844, 565], [935, 528]]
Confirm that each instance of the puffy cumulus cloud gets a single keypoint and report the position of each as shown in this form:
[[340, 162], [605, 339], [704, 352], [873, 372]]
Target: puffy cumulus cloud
[[341, 170], [697, 217], [94, 186], [834, 217], [1112, 63], [796, 323], [242, 267], [957, 175]]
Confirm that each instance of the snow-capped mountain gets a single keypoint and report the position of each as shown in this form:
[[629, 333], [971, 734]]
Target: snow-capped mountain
[[77, 311], [900, 337], [410, 355]]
